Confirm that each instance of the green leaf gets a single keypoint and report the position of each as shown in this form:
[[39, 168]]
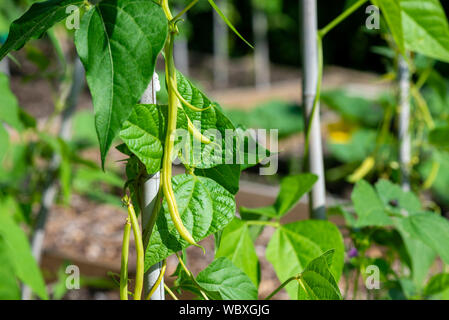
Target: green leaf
[[368, 206], [226, 282], [226, 20], [425, 28], [294, 245], [397, 200], [118, 43], [227, 175], [4, 142], [231, 144], [421, 255], [360, 146], [354, 108], [391, 9], [316, 282], [9, 286], [438, 283], [9, 111], [439, 137], [291, 191], [205, 208], [433, 230], [141, 134], [236, 245], [35, 22], [16, 244]]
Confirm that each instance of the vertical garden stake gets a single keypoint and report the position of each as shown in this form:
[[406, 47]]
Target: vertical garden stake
[[49, 193], [150, 197], [221, 63], [262, 52], [309, 86], [4, 66], [404, 122]]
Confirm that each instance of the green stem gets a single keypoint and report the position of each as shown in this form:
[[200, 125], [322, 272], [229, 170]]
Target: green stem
[[190, 275], [170, 292], [189, 6], [124, 262], [140, 260], [340, 18], [271, 295]]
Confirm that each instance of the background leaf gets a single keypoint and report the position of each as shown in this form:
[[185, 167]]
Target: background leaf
[[294, 245], [38, 19], [16, 244]]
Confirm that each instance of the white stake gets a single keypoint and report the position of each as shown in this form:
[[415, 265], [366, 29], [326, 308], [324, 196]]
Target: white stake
[[49, 193], [151, 189], [221, 48], [262, 51], [310, 76], [4, 66], [404, 123]]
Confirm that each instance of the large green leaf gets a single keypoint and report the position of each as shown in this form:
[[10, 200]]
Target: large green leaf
[[205, 207], [224, 281], [35, 22], [294, 245], [425, 28], [368, 206], [236, 245], [118, 43], [291, 191], [141, 134], [16, 244], [316, 282]]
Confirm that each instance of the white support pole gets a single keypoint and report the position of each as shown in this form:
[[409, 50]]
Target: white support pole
[[404, 123], [181, 54], [49, 193], [221, 48], [149, 192], [317, 196], [4, 66], [261, 51]]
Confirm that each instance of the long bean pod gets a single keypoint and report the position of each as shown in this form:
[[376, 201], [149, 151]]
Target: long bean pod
[[167, 187]]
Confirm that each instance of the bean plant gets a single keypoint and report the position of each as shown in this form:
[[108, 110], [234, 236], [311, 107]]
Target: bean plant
[[119, 42]]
